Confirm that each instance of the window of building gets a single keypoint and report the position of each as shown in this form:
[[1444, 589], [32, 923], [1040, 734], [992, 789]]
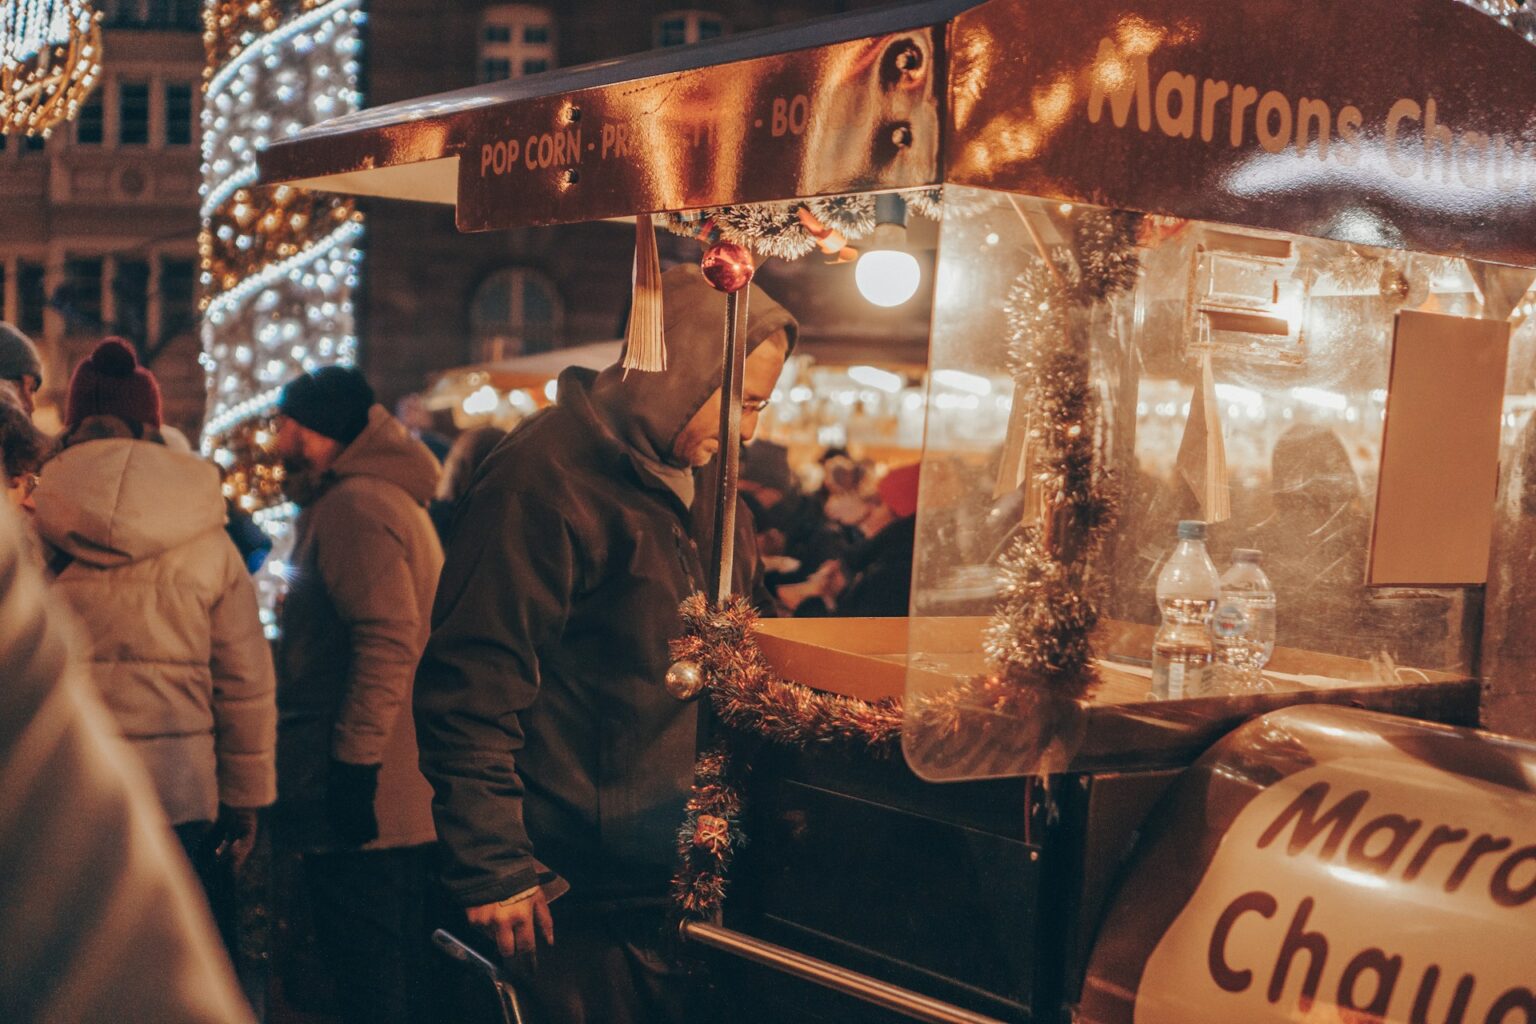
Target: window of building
[[130, 300], [158, 14], [178, 295], [178, 113], [678, 28], [90, 125], [133, 113], [516, 39], [514, 311], [79, 299], [31, 296]]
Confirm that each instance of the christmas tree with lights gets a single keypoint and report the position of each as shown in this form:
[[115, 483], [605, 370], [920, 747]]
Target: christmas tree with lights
[[279, 265]]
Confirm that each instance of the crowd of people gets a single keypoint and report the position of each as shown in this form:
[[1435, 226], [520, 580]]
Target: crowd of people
[[463, 717]]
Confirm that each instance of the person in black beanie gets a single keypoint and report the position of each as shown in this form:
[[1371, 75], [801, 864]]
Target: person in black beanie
[[351, 799]]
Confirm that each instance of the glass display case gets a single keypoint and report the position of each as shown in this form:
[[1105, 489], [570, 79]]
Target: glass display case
[[1233, 376]]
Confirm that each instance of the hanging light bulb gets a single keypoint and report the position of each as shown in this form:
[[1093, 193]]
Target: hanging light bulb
[[887, 274]]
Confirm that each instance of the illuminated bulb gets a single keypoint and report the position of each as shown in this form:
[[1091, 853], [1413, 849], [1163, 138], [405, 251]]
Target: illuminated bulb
[[888, 275]]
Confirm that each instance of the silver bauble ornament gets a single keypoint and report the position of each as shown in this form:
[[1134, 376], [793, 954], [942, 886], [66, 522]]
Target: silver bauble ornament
[[685, 680]]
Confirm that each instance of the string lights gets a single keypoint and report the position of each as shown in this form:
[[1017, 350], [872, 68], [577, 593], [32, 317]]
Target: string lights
[[279, 265], [50, 60]]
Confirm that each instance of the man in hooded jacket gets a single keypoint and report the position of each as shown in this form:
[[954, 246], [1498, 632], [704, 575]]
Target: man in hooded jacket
[[543, 722], [361, 575]]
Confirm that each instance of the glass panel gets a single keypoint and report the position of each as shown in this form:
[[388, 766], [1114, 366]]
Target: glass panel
[[31, 296], [533, 67], [130, 300], [133, 113], [178, 114], [672, 32], [178, 296], [89, 124], [535, 34], [710, 29], [81, 297], [1239, 377], [498, 33], [495, 69]]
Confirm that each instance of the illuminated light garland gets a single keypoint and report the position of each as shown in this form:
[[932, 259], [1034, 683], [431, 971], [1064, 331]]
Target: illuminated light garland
[[247, 409], [50, 60], [278, 264], [221, 306], [267, 45], [1518, 15], [218, 195]]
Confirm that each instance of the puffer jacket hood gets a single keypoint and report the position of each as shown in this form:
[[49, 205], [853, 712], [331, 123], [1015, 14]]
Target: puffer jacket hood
[[386, 450], [116, 502], [649, 410]]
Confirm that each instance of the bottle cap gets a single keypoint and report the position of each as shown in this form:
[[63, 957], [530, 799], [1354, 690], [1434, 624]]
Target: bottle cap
[[1251, 555], [1191, 529]]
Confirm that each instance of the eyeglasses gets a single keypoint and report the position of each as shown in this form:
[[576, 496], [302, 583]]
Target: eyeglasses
[[26, 483], [755, 405]]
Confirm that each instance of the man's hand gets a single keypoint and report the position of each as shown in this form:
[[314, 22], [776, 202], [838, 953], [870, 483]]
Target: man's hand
[[514, 922], [237, 835]]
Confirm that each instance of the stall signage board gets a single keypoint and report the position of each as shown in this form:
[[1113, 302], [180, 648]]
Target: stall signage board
[[1330, 866], [1290, 921], [1402, 123], [848, 117], [1439, 452]]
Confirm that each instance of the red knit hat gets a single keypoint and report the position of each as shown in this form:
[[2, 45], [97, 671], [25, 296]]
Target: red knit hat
[[898, 489], [112, 383]]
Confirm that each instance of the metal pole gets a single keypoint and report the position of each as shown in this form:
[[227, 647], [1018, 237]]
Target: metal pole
[[722, 552], [838, 979]]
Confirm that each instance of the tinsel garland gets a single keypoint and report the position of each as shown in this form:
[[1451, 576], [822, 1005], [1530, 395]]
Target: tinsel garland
[[1037, 641], [775, 229]]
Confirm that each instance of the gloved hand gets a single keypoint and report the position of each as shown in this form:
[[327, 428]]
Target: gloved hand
[[349, 802], [237, 827]]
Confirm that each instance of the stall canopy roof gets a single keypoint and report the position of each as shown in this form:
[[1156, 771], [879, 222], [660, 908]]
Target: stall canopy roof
[[411, 149], [1401, 123]]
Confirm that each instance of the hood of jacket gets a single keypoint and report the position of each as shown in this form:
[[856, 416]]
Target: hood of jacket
[[648, 410], [387, 451], [117, 501]]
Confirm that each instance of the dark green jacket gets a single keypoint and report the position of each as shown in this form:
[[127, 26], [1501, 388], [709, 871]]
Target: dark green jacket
[[542, 719]]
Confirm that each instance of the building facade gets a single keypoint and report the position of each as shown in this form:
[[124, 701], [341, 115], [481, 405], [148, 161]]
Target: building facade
[[100, 228], [436, 298], [100, 235]]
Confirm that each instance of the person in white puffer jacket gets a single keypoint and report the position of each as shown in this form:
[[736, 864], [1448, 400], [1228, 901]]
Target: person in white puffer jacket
[[177, 650]]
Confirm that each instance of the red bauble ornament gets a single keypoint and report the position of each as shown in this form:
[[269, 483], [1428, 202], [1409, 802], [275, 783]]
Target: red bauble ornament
[[727, 266]]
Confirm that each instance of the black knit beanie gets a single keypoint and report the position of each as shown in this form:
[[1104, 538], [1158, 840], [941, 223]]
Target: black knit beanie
[[333, 401]]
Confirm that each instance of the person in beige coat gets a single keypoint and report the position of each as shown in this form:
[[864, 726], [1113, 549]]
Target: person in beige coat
[[176, 646], [99, 918], [352, 800]]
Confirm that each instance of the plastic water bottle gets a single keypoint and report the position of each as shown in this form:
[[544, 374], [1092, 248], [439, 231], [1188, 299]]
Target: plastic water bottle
[[1244, 624], [1187, 591]]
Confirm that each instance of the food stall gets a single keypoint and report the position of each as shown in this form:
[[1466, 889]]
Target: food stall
[[1266, 267]]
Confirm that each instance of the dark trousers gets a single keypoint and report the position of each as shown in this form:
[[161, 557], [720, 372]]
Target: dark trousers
[[608, 968], [233, 902], [374, 911]]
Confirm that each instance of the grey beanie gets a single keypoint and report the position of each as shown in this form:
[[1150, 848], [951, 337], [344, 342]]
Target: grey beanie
[[18, 356]]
